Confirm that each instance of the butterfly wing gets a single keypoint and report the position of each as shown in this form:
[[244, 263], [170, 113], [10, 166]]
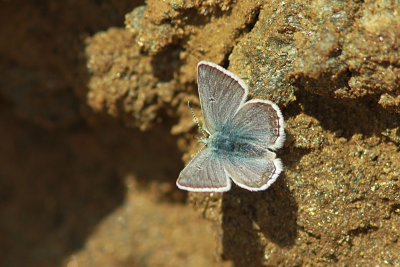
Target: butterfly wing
[[253, 173], [259, 123], [221, 94], [204, 173]]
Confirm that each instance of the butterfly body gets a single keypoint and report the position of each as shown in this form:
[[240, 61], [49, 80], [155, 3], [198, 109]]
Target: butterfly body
[[242, 136], [233, 144]]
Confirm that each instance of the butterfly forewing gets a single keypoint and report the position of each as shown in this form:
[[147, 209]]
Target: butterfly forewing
[[204, 173], [221, 93]]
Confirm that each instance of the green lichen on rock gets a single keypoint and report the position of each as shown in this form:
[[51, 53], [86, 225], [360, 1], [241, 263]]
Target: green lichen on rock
[[265, 55], [350, 50], [319, 67], [152, 38], [371, 50]]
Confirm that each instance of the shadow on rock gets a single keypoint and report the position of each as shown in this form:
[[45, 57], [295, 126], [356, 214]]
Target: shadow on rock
[[56, 186], [248, 216], [349, 117]]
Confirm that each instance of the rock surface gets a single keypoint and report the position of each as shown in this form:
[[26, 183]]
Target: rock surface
[[80, 187]]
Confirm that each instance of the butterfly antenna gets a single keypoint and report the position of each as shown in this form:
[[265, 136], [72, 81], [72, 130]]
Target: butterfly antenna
[[195, 118]]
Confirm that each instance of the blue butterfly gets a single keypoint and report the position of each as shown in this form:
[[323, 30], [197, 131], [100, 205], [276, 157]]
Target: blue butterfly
[[242, 136]]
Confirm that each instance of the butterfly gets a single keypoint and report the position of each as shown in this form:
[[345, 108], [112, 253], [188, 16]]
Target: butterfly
[[242, 136]]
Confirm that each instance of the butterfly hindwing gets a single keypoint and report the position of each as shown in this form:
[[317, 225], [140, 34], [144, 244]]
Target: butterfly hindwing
[[261, 123], [253, 173]]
